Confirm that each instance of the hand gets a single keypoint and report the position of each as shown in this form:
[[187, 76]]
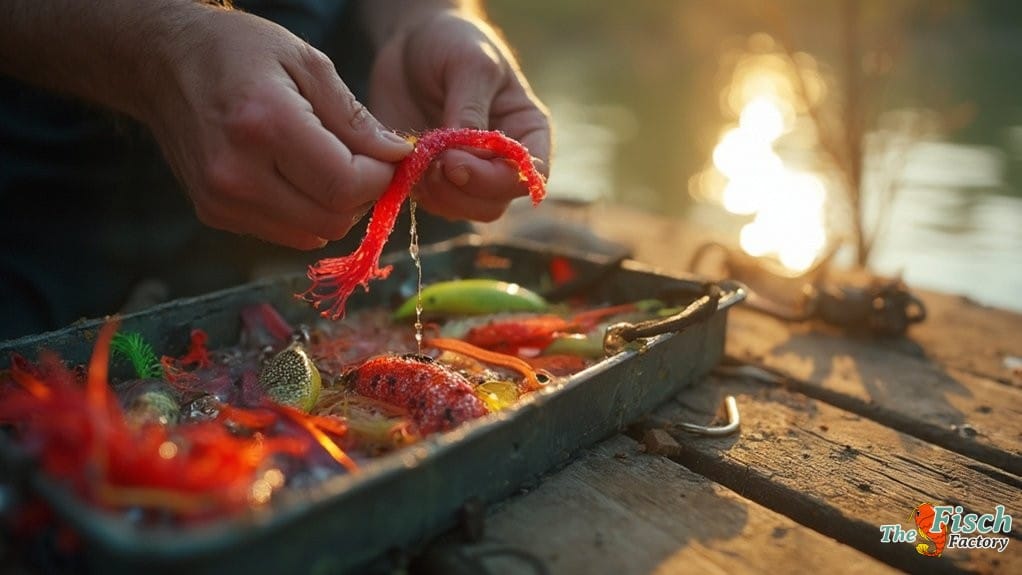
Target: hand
[[452, 69], [265, 136]]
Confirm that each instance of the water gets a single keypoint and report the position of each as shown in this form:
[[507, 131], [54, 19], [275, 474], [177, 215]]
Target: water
[[639, 97], [953, 224], [953, 229], [413, 250]]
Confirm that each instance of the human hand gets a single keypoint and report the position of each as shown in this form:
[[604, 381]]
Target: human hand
[[452, 69], [264, 134]]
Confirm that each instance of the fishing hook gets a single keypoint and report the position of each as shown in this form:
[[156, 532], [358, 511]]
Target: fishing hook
[[734, 422]]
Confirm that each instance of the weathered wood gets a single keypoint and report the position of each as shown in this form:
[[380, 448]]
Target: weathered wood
[[965, 335], [929, 417], [840, 473], [949, 407], [618, 510]]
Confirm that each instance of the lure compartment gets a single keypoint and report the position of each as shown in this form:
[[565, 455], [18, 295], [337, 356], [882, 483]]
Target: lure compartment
[[401, 498]]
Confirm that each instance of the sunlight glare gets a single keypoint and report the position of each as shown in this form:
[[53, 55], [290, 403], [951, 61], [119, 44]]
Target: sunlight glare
[[745, 196], [743, 152], [789, 224], [762, 118], [787, 206]]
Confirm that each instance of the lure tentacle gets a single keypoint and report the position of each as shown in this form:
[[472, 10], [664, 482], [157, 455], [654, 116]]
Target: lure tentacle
[[334, 279]]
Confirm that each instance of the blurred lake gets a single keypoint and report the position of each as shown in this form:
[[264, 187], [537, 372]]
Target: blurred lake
[[651, 109]]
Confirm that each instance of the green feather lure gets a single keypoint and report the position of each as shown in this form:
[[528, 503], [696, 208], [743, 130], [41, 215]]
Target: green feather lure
[[131, 346]]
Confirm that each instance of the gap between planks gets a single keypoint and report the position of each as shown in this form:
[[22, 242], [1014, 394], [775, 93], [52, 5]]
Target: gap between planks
[[946, 406], [839, 473], [618, 510]]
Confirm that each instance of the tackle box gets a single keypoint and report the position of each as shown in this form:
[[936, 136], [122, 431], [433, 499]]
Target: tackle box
[[407, 496]]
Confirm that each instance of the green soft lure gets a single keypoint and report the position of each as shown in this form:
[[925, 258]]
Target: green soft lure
[[473, 297], [131, 346], [577, 344], [290, 378]]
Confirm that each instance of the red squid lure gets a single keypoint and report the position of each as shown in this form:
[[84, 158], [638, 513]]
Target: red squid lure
[[334, 279]]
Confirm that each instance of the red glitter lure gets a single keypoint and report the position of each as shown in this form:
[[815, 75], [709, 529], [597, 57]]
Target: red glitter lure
[[436, 397], [334, 279]]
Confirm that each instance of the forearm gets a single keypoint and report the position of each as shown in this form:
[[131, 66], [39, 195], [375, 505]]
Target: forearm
[[384, 18], [110, 52]]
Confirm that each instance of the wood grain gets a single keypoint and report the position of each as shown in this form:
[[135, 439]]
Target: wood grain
[[955, 409], [839, 473], [617, 510]]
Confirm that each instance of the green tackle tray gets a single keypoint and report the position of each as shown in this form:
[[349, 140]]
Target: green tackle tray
[[401, 499]]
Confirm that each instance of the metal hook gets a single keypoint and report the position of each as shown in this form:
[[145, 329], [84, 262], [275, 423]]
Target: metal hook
[[734, 421]]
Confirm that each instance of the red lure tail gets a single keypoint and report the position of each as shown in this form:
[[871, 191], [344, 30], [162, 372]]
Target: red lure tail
[[335, 279], [80, 436], [511, 336]]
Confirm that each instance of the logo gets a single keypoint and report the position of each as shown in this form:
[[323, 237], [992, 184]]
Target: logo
[[940, 527]]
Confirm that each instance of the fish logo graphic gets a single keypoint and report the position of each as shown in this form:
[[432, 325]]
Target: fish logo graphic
[[941, 527], [923, 516]]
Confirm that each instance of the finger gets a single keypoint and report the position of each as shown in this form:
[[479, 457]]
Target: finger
[[440, 196], [276, 233], [387, 86], [254, 223], [322, 168], [293, 209], [539, 141], [534, 133], [520, 115], [471, 87], [243, 183], [449, 202], [340, 112], [494, 179]]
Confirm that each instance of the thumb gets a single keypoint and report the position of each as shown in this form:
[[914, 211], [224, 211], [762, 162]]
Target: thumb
[[469, 95], [341, 113]]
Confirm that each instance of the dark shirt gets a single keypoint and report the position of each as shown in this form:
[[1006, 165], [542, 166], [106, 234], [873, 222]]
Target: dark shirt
[[90, 209]]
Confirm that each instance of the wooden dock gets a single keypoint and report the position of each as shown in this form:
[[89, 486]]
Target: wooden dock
[[840, 435]]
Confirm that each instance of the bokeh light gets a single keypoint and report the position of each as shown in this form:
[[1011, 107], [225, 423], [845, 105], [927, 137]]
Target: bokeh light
[[786, 205]]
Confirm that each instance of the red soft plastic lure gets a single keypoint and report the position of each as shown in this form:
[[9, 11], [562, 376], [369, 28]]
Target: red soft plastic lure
[[80, 435], [334, 279], [436, 397]]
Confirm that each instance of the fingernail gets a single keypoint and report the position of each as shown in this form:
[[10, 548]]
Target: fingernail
[[322, 243], [458, 176], [395, 138]]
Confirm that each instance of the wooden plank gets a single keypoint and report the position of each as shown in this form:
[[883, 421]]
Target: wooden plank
[[618, 510], [840, 473], [949, 407], [968, 336]]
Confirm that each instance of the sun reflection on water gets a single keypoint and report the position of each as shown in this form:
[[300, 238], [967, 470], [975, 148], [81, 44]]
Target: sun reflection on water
[[787, 206]]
